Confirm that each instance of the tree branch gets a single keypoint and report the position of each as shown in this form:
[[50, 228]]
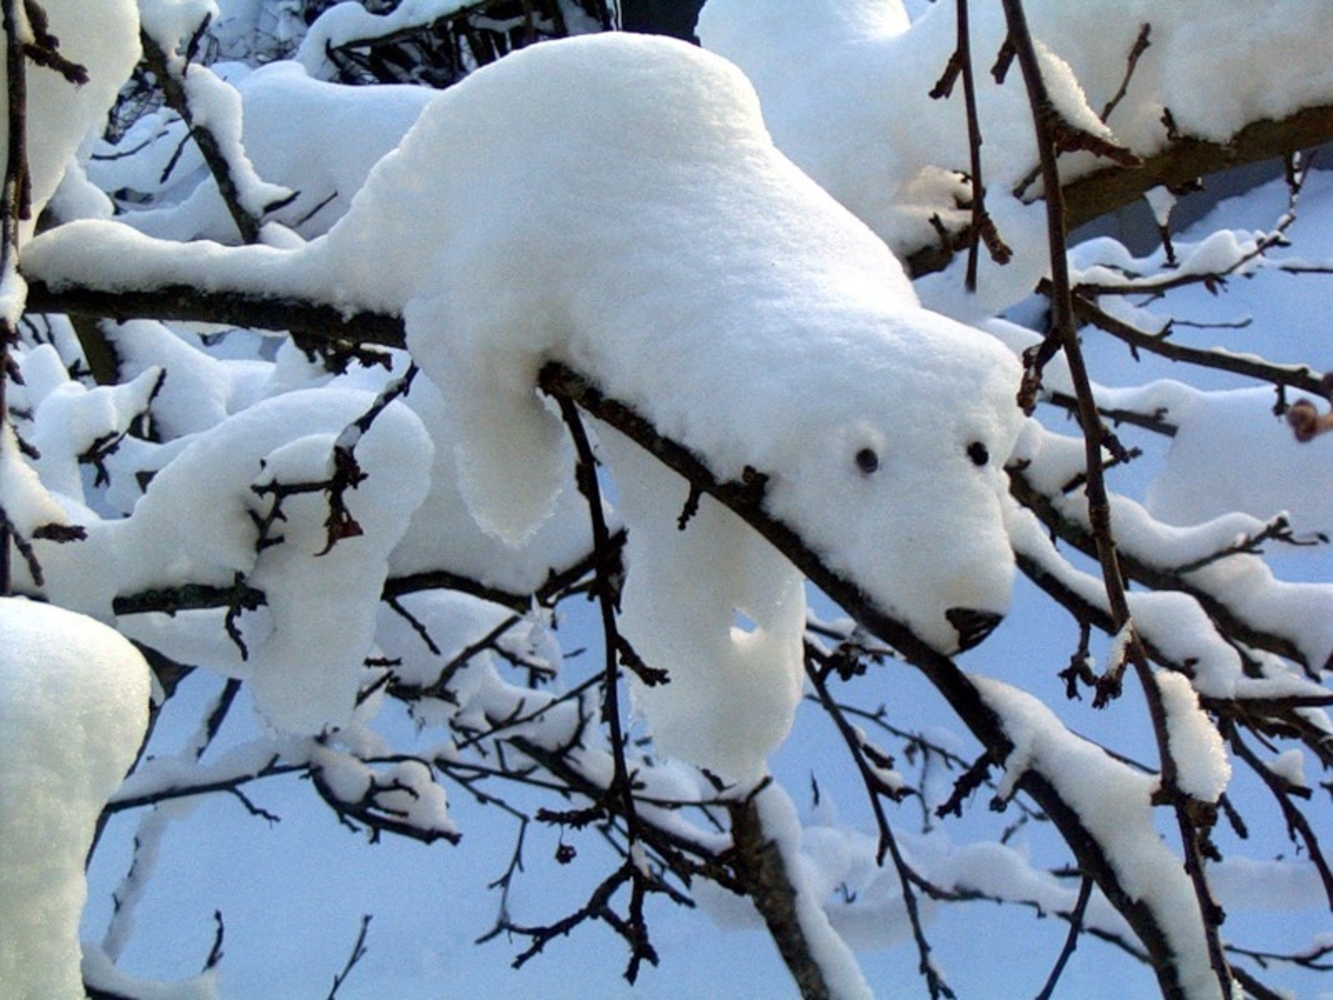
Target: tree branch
[[1182, 161], [956, 687], [759, 865]]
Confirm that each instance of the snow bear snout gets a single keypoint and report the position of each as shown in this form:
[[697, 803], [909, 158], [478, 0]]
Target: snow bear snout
[[973, 626]]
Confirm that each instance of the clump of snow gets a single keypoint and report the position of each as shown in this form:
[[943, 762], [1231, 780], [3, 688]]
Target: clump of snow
[[305, 648], [1114, 804], [730, 639], [102, 37], [696, 274], [100, 971], [1219, 432], [780, 824], [1202, 769], [1290, 767], [443, 532], [286, 118], [198, 390], [26, 502], [73, 711], [1160, 201]]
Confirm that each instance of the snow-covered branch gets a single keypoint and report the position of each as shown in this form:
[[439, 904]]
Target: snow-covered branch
[[584, 360], [210, 110]]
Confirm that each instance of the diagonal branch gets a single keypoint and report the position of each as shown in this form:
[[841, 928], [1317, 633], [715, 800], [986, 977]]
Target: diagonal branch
[[1181, 162], [173, 73], [956, 687], [1095, 435]]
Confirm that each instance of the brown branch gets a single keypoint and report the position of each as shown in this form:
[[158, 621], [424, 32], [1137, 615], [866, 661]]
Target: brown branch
[[171, 79], [327, 324], [1187, 158], [760, 867], [1095, 436], [13, 208], [1141, 44], [818, 668], [1298, 827], [1291, 376], [982, 228], [1182, 162], [1071, 940]]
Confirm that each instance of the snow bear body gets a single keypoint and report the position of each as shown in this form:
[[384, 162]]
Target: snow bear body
[[615, 203]]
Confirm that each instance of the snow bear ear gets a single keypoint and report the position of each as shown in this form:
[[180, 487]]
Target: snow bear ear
[[512, 459]]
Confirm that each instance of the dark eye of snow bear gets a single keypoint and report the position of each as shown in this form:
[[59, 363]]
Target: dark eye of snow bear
[[978, 453], [867, 461]]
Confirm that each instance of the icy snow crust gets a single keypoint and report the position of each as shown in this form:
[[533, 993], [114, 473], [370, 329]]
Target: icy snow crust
[[73, 710], [695, 274]]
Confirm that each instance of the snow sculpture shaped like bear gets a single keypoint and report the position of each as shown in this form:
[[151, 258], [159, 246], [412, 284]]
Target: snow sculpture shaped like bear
[[615, 203]]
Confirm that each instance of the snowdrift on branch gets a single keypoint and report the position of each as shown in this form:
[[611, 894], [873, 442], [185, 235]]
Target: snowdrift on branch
[[73, 710]]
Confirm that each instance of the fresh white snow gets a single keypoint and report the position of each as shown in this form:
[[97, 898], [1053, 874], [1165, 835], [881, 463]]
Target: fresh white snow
[[619, 205], [73, 711]]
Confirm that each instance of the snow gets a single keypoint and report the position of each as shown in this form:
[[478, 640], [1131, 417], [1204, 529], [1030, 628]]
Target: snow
[[836, 307], [732, 691], [1283, 475], [779, 822], [104, 39], [833, 304], [25, 500], [286, 117], [1290, 767], [691, 270], [844, 85], [173, 22], [305, 649], [1196, 748], [73, 711], [1114, 803]]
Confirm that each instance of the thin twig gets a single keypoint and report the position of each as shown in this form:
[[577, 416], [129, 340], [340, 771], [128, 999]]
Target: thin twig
[[818, 668], [359, 951], [1071, 939], [1099, 508]]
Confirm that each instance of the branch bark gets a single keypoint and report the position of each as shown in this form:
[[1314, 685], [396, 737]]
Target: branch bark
[[1182, 161], [942, 672], [759, 865]]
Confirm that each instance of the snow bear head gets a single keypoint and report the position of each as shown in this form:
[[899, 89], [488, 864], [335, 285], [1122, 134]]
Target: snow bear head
[[891, 466]]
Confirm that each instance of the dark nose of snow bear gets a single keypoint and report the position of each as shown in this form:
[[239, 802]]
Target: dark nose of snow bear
[[973, 626]]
